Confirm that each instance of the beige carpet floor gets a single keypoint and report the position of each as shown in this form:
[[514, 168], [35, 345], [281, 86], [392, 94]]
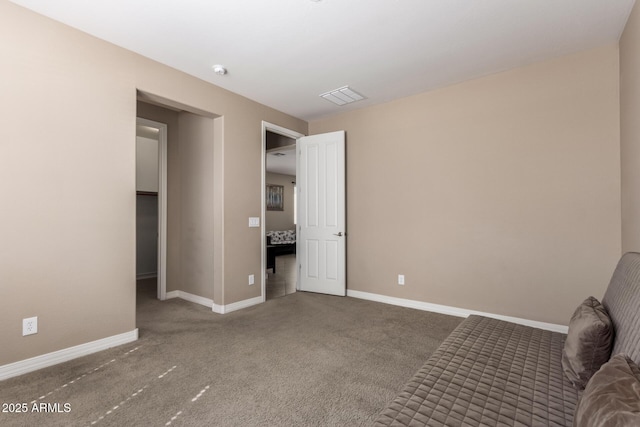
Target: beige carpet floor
[[303, 359]]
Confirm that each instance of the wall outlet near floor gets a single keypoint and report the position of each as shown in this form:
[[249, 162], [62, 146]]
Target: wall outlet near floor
[[400, 279], [252, 279], [29, 326]]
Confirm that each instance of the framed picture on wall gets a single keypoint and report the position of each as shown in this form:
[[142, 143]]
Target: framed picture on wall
[[275, 197]]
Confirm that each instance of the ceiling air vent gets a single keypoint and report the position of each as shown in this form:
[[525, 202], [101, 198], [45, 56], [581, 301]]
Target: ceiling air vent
[[342, 96]]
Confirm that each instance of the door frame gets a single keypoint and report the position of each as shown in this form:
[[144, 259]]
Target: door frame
[[266, 126], [162, 203]]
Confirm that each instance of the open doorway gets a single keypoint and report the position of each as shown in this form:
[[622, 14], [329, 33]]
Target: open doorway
[[279, 211], [192, 194], [151, 204]]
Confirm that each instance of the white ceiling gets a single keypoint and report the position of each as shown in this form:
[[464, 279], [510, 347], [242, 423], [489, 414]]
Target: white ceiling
[[284, 53], [284, 163]]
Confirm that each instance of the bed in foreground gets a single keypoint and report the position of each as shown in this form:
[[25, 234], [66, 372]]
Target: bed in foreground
[[490, 372]]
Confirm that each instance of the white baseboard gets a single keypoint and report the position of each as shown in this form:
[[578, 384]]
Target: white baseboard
[[142, 276], [453, 311], [222, 309], [216, 308], [64, 355], [191, 298]]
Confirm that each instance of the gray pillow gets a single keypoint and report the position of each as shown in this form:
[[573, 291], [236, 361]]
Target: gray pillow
[[588, 344], [612, 396]]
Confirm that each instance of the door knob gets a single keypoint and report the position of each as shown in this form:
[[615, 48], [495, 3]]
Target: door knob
[[339, 234]]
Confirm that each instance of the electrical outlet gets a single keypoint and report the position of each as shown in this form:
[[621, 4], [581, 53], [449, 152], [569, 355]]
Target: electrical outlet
[[29, 326], [252, 279], [400, 279]]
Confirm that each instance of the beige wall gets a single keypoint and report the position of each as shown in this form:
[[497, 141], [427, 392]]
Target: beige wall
[[196, 204], [281, 220], [69, 257], [500, 194], [146, 164], [630, 131]]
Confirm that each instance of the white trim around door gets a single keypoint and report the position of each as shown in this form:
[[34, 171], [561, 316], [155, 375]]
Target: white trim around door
[[266, 126]]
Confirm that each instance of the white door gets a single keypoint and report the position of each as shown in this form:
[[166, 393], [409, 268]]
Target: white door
[[321, 213]]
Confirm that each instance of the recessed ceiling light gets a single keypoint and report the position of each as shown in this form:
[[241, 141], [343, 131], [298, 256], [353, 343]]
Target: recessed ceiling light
[[219, 70], [342, 96]]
